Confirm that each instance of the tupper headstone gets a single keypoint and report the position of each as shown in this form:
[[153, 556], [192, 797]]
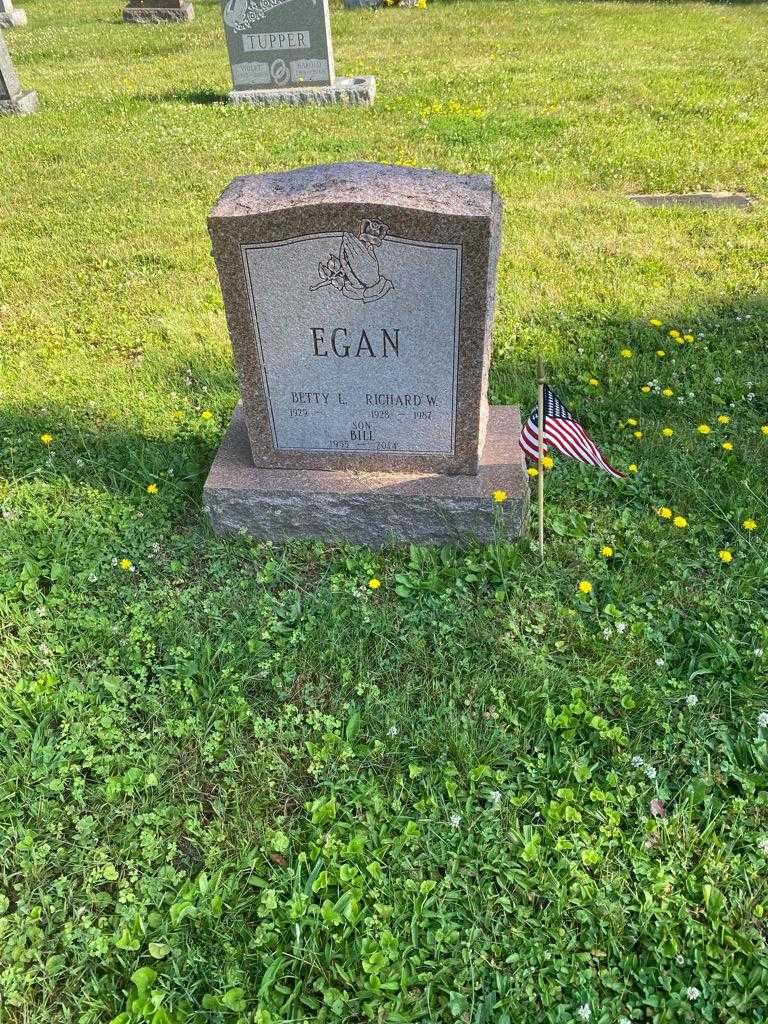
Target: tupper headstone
[[153, 12], [13, 99], [10, 16], [280, 51], [359, 300]]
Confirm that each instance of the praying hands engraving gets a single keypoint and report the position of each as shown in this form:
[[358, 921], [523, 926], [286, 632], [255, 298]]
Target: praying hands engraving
[[355, 271]]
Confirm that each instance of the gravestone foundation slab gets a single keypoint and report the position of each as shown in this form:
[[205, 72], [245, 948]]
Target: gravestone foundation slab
[[371, 508], [154, 12]]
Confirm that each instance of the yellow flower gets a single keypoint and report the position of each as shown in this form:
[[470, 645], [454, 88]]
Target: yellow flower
[[532, 471], [656, 323], [626, 353], [723, 419], [632, 467], [665, 513], [646, 389], [499, 496], [177, 414], [206, 414], [374, 584], [46, 438], [660, 353], [151, 488], [667, 431], [679, 341], [585, 587], [630, 422], [606, 551], [688, 338], [125, 563], [728, 446], [680, 522], [594, 382], [638, 433], [667, 392], [674, 334], [749, 524], [547, 462], [725, 556], [764, 429], [704, 428]]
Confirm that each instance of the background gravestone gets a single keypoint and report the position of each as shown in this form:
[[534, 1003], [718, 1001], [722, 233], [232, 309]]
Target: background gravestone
[[10, 16], [152, 12], [13, 99], [359, 301], [280, 51]]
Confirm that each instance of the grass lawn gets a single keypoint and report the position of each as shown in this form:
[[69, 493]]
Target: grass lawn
[[238, 785]]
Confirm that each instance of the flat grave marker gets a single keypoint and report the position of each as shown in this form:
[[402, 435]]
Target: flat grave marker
[[154, 12]]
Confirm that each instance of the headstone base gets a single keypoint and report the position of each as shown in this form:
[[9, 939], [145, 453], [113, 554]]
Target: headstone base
[[374, 509], [154, 15], [355, 92], [13, 19], [24, 103]]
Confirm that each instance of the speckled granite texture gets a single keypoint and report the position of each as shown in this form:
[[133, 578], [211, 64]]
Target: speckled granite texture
[[426, 206], [354, 92], [375, 509]]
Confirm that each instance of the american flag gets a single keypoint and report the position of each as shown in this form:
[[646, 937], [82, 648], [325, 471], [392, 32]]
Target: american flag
[[564, 434]]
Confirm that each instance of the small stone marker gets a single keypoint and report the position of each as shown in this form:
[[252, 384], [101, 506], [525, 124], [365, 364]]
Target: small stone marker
[[359, 300], [10, 16], [13, 99], [152, 12], [711, 200], [280, 51]]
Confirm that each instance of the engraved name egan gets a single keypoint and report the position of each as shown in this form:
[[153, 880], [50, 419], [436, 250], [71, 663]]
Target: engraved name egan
[[373, 344]]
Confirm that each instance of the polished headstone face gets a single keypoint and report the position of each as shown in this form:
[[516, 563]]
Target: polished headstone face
[[10, 87], [359, 299], [275, 44]]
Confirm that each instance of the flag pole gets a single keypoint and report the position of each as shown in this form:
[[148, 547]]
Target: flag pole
[[540, 478]]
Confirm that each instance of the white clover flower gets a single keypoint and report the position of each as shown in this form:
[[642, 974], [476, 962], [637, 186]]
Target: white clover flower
[[693, 993], [763, 847], [584, 1011], [660, 662], [621, 627], [92, 578], [637, 762], [455, 820], [762, 720], [40, 610], [624, 1020], [650, 771], [607, 633], [758, 652], [392, 731], [44, 648], [680, 959], [495, 797], [718, 380], [691, 700]]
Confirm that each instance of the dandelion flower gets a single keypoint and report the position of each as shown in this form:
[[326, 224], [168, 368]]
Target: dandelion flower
[[665, 513], [46, 438], [723, 419], [674, 334], [667, 392], [749, 525], [125, 564], [606, 551], [638, 433], [680, 522], [151, 488], [725, 555], [656, 323], [499, 496], [626, 353], [532, 471], [206, 414], [704, 428], [585, 587], [764, 429], [667, 431], [547, 462], [631, 422], [374, 584], [688, 338], [594, 382], [727, 445], [660, 353], [632, 467], [646, 389]]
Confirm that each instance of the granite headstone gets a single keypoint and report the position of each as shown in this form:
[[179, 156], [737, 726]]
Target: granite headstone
[[13, 99], [359, 300], [280, 51], [10, 16], [153, 12]]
